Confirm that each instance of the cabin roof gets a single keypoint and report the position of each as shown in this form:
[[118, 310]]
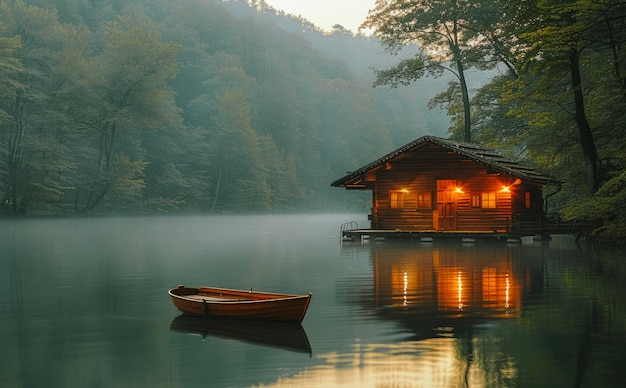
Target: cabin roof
[[490, 158]]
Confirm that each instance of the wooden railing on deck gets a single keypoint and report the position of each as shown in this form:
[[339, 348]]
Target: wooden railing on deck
[[550, 224]]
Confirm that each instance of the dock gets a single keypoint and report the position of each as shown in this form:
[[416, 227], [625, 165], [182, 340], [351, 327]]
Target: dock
[[542, 229], [428, 236]]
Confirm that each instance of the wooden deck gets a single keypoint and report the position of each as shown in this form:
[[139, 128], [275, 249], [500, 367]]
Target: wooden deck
[[514, 230], [428, 236]]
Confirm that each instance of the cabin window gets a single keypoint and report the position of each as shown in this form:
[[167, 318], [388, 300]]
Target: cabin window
[[475, 200], [489, 200], [527, 199], [425, 200], [396, 199]]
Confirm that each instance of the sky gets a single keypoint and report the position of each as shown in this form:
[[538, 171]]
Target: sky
[[326, 13]]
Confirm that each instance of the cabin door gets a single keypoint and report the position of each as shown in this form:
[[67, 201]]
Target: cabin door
[[446, 205]]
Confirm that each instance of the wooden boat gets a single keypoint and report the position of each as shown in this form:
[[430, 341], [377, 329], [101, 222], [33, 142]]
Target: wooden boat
[[240, 304], [279, 335]]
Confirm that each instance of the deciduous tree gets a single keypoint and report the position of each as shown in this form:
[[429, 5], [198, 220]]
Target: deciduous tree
[[441, 28], [37, 128], [127, 93]]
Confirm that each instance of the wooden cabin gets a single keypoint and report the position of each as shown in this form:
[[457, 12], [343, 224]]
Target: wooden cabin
[[434, 184]]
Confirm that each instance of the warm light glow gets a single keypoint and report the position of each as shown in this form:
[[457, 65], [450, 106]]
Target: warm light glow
[[406, 288], [403, 280], [506, 292], [405, 190], [460, 288], [432, 362], [458, 190], [506, 188]]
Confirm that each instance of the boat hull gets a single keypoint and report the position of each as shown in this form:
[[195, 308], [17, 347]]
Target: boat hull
[[237, 304]]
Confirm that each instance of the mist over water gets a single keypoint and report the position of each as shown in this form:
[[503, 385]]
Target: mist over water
[[86, 305]]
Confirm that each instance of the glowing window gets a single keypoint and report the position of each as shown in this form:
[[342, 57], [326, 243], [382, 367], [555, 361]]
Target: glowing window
[[475, 200], [425, 200], [396, 199], [527, 199], [488, 200]]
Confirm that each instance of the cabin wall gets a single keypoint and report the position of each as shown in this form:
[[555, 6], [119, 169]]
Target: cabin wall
[[409, 217], [415, 178], [479, 218]]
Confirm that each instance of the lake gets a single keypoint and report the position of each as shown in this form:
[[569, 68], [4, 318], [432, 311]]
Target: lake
[[86, 305]]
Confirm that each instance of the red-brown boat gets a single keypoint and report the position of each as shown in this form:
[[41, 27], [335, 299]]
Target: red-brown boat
[[239, 304]]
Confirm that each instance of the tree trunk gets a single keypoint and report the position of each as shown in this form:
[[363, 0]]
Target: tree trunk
[[102, 180], [12, 202], [217, 191], [590, 154], [467, 119]]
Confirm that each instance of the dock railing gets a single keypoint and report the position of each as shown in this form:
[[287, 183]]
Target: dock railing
[[548, 224], [346, 227], [350, 225]]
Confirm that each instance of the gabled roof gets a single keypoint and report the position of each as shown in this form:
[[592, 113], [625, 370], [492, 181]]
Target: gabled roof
[[489, 158]]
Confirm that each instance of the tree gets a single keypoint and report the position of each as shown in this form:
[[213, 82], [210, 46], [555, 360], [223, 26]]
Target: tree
[[440, 28], [10, 67], [564, 108], [570, 72], [37, 129], [558, 37], [241, 173], [126, 93]]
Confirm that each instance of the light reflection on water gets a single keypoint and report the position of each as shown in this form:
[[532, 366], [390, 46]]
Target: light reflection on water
[[428, 363], [87, 305]]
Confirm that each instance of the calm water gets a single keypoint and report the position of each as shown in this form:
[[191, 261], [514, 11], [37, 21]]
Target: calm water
[[85, 305]]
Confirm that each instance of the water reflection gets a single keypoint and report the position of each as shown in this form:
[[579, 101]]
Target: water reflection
[[428, 363], [481, 315], [87, 305], [281, 336], [448, 281], [447, 301]]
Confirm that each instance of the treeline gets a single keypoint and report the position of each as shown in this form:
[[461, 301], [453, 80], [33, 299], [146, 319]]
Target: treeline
[[147, 106], [150, 106]]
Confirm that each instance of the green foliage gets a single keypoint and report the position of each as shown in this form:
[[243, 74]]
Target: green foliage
[[605, 211], [239, 163], [117, 106], [406, 72], [544, 113], [125, 93], [10, 67], [452, 36], [36, 132]]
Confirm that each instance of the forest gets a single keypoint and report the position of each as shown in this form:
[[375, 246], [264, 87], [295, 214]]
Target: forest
[[210, 106]]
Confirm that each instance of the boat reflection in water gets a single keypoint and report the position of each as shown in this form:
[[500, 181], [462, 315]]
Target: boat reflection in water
[[284, 336]]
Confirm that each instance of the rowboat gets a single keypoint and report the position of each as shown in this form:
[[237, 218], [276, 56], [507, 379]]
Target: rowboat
[[240, 304], [278, 335]]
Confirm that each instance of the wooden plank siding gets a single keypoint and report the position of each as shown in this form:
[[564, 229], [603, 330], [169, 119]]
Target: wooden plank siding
[[433, 184], [413, 176]]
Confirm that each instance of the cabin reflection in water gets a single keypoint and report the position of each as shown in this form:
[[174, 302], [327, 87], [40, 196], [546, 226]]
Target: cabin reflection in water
[[447, 282], [443, 299]]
